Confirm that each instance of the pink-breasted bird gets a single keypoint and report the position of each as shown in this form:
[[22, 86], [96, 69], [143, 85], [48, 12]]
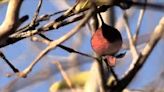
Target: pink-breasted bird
[[107, 41]]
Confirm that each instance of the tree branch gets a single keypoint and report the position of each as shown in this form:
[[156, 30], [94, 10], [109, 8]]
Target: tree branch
[[124, 82], [54, 44], [10, 23]]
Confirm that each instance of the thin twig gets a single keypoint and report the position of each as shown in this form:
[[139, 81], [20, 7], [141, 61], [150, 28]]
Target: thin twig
[[50, 26], [47, 41], [34, 22], [140, 18], [113, 73], [155, 6], [67, 13], [65, 76], [69, 21], [36, 13], [130, 38], [48, 16], [38, 20], [8, 63], [110, 68]]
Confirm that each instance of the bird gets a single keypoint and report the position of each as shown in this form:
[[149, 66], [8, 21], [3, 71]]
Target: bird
[[106, 42]]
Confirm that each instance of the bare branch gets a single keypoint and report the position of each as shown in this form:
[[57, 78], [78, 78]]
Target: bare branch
[[158, 33], [156, 6], [15, 37], [140, 18], [53, 44], [8, 62], [130, 38], [65, 76], [36, 12], [10, 23], [49, 26], [47, 41]]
